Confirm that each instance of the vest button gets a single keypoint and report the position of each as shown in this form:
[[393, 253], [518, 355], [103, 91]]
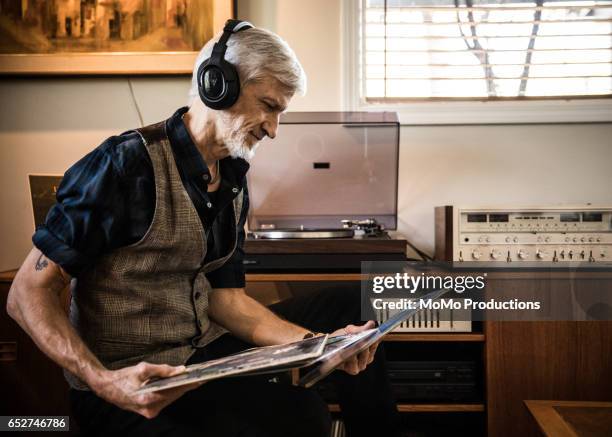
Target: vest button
[[197, 294], [234, 190]]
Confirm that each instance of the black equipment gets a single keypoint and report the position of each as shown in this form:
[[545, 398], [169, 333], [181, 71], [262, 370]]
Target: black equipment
[[424, 381], [441, 381], [329, 255], [218, 81]]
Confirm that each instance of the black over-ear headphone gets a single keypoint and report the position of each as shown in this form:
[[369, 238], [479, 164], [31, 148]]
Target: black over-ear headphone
[[218, 82]]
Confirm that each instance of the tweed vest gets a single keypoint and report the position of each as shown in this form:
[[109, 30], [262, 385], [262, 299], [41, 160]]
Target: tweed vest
[[149, 301]]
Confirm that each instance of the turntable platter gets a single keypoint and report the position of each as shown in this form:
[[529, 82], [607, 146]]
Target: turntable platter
[[278, 234]]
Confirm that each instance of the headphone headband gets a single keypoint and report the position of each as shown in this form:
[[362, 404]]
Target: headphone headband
[[236, 26], [231, 27]]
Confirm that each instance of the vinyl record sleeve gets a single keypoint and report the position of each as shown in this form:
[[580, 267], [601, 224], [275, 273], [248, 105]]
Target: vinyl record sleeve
[[323, 352], [257, 359], [335, 356]]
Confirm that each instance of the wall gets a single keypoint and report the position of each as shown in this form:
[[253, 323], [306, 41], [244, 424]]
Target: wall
[[47, 124], [521, 165], [439, 165]]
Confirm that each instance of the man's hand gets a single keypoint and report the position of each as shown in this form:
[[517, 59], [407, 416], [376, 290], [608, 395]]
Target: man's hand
[[118, 386], [359, 362]]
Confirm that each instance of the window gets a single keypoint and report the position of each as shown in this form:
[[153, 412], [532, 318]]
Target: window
[[484, 49]]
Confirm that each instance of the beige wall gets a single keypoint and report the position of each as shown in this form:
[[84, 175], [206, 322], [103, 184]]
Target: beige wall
[[521, 165], [47, 124]]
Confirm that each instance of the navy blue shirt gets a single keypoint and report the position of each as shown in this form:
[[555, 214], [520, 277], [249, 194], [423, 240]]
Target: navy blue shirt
[[106, 201]]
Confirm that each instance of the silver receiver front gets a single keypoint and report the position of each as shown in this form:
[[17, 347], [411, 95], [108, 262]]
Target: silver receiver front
[[563, 234]]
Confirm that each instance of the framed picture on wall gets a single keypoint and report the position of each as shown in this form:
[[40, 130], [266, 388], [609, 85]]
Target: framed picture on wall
[[75, 37]]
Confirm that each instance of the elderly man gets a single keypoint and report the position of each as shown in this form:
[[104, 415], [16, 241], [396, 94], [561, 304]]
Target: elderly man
[[150, 227]]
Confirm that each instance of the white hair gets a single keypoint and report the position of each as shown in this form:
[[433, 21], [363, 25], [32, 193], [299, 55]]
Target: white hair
[[256, 53]]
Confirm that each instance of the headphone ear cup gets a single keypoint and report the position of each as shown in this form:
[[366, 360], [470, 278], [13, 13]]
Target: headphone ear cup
[[233, 84], [199, 79], [218, 84]]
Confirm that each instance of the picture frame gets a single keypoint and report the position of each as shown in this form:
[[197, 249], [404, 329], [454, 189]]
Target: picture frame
[[106, 37]]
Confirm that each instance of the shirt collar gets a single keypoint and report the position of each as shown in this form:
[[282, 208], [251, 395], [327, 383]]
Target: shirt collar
[[188, 158]]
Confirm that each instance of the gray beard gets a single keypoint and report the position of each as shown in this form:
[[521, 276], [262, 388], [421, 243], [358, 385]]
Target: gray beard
[[236, 144], [238, 149]]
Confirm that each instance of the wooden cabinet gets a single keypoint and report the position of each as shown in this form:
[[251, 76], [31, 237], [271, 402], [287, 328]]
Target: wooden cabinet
[[31, 383], [283, 285], [543, 360], [560, 360], [520, 361]]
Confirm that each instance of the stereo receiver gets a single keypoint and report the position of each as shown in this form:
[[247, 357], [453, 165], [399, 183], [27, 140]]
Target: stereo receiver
[[551, 234]]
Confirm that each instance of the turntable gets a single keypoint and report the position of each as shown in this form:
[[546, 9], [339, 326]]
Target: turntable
[[323, 193], [281, 234], [350, 229]]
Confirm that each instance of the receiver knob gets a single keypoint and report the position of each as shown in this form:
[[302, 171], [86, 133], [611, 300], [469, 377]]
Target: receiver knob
[[495, 254], [522, 254], [541, 254], [476, 254]]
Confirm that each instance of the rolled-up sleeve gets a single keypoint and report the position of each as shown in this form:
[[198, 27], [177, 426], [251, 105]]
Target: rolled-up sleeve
[[71, 260], [87, 216]]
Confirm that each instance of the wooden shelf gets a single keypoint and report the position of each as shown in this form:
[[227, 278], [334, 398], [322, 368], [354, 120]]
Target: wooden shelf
[[424, 336], [429, 408], [306, 277], [8, 276]]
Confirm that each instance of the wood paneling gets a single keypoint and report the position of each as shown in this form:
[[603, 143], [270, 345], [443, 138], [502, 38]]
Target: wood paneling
[[443, 235], [32, 384], [543, 360]]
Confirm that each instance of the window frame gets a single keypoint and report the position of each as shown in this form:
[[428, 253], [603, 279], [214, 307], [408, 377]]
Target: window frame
[[436, 111]]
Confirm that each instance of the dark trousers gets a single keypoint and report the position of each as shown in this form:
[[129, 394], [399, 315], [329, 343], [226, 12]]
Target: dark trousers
[[256, 406]]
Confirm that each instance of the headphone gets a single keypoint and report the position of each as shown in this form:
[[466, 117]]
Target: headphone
[[218, 82]]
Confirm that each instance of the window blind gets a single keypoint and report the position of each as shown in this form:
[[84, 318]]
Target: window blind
[[470, 49]]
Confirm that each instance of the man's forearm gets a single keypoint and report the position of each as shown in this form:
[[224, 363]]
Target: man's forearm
[[35, 305], [249, 320]]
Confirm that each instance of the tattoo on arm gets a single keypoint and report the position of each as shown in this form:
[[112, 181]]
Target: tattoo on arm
[[42, 263]]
